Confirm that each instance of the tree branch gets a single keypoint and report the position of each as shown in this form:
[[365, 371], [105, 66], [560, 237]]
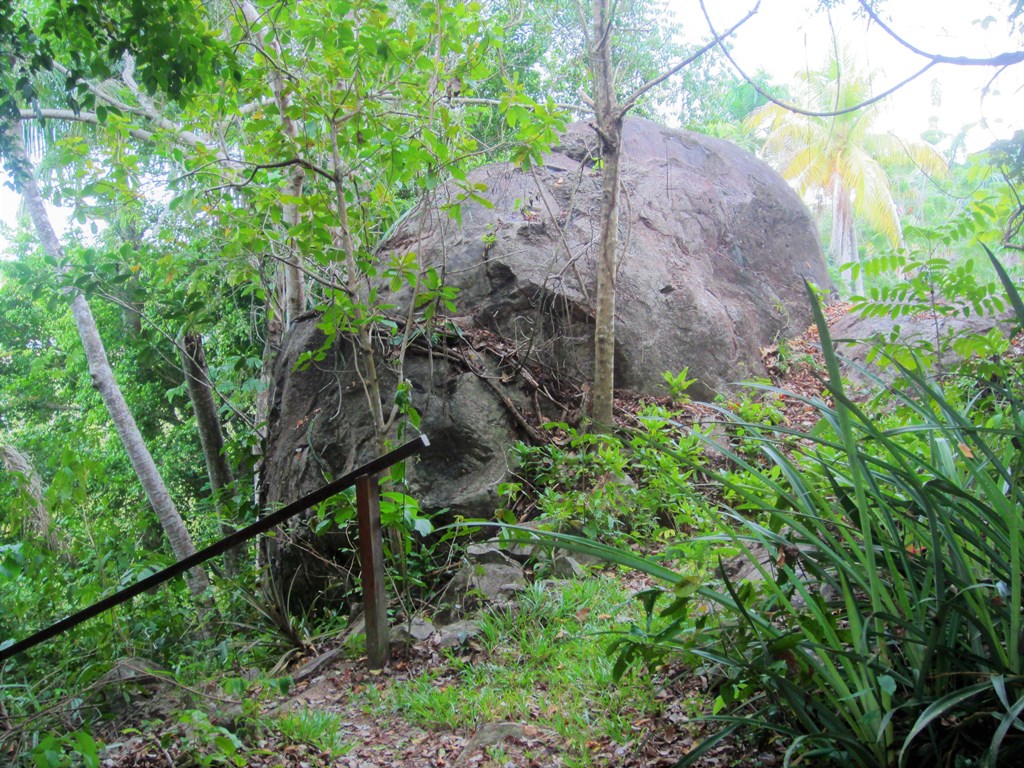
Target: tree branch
[[315, 277], [689, 60], [255, 38], [477, 100], [180, 133], [1005, 59], [117, 301], [583, 17], [89, 118], [793, 107], [257, 167]]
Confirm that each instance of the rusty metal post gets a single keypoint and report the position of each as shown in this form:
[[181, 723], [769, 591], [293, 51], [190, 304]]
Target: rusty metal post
[[251, 531], [371, 564]]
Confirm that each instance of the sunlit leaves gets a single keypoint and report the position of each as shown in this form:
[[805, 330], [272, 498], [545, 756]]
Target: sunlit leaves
[[838, 156]]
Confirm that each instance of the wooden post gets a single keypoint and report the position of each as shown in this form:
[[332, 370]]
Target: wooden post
[[371, 563]]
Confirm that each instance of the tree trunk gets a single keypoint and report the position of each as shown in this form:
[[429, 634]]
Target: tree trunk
[[367, 372], [608, 119], [211, 436], [37, 520], [288, 300], [294, 284], [103, 379], [843, 246]]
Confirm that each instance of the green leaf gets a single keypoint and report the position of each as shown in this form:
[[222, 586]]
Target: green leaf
[[1011, 289], [87, 749], [887, 683], [583, 546], [939, 708]]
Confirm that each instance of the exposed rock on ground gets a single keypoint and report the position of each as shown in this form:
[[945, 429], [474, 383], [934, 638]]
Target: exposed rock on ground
[[411, 632], [479, 583], [565, 567], [457, 633], [855, 336]]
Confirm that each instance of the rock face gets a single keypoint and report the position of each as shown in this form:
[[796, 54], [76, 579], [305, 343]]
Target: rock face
[[855, 337], [715, 248]]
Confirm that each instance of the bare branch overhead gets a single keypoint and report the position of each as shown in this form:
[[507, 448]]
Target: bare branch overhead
[[793, 107], [1005, 59], [1001, 60], [688, 60]]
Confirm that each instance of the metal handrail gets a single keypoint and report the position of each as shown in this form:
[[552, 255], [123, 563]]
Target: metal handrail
[[262, 525]]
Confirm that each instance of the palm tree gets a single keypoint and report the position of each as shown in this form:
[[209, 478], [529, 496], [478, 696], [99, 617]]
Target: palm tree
[[840, 157]]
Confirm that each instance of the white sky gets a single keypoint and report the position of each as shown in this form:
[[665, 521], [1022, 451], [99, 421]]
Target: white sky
[[787, 36], [8, 207]]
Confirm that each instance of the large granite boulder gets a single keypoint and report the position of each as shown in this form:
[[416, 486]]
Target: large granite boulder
[[320, 428], [715, 250]]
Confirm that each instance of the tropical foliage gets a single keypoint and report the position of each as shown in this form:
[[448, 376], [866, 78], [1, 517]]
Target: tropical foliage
[[833, 152], [878, 622], [229, 166], [1008, 157]]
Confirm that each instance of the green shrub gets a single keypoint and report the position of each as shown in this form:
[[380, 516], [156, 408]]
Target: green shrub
[[606, 486], [885, 624]]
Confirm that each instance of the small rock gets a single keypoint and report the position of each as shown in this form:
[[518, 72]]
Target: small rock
[[565, 567], [487, 554], [744, 566], [129, 679], [454, 635], [477, 584], [523, 547], [522, 551], [489, 735], [719, 436], [357, 627], [411, 632], [551, 585], [586, 559], [314, 666]]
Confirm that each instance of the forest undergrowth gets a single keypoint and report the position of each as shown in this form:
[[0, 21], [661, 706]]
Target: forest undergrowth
[[803, 569]]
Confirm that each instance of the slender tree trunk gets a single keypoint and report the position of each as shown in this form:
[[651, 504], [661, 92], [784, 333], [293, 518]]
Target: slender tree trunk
[[288, 300], [103, 379], [608, 118], [295, 291], [367, 371], [211, 436], [271, 348], [843, 246], [37, 521]]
